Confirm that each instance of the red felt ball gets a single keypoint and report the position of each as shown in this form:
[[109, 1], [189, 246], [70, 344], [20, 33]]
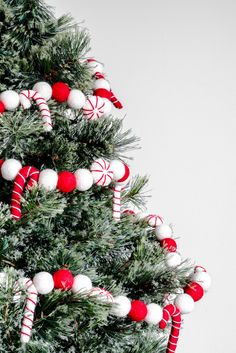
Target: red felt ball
[[2, 107], [63, 279], [169, 244], [138, 310], [194, 290], [66, 181], [60, 91]]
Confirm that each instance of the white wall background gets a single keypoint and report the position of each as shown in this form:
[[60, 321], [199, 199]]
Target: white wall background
[[173, 63]]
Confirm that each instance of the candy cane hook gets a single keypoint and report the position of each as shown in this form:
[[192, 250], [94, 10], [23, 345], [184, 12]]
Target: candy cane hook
[[29, 311], [171, 311], [26, 96], [27, 176]]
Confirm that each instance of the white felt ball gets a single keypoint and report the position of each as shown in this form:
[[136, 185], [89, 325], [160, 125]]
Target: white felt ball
[[10, 169], [10, 99], [43, 282], [118, 168], [102, 295], [95, 66], [202, 278], [184, 303], [44, 89], [101, 83], [107, 107], [154, 314], [76, 99], [163, 231], [121, 307], [48, 179], [173, 259], [81, 284], [84, 179]]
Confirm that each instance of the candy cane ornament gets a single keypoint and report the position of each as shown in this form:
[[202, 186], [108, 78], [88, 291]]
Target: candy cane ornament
[[121, 177], [29, 311], [26, 96], [27, 176], [171, 311]]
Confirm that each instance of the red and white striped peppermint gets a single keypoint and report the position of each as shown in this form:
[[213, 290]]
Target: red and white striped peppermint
[[28, 317], [102, 172], [26, 96], [102, 294], [154, 220], [93, 108], [171, 311], [27, 176]]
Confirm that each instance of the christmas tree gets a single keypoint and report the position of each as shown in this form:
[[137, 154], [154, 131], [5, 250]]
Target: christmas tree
[[80, 271]]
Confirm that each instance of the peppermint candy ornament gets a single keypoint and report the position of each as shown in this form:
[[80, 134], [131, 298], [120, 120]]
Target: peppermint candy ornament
[[154, 220], [102, 172], [93, 108], [102, 295]]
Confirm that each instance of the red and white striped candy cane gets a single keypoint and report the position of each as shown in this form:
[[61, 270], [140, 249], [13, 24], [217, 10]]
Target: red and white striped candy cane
[[28, 317], [27, 176], [115, 101], [171, 311], [117, 202], [113, 98], [26, 96]]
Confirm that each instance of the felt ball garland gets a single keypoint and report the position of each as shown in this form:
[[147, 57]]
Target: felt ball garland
[[101, 173], [93, 107], [153, 314]]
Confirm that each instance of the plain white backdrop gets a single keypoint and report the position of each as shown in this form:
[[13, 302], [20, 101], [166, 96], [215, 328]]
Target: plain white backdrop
[[173, 64]]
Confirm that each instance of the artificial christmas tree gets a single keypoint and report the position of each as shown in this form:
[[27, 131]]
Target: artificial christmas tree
[[80, 272]]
